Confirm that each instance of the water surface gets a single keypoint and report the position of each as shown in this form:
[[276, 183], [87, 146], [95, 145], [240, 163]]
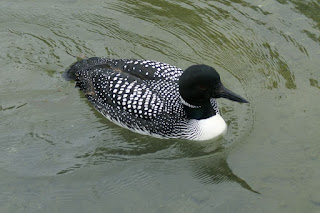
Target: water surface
[[57, 154]]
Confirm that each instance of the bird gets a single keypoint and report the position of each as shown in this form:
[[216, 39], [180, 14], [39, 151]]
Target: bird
[[154, 98]]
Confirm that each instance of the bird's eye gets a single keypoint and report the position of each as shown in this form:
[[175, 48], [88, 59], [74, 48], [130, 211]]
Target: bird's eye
[[203, 87]]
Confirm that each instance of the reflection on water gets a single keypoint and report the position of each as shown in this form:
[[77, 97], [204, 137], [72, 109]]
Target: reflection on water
[[212, 33], [207, 160], [314, 83], [310, 9], [225, 36], [215, 169]]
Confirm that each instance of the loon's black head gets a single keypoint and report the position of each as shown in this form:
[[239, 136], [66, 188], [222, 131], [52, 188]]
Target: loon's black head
[[199, 83]]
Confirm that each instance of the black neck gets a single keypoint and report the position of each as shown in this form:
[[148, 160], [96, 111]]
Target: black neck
[[203, 112]]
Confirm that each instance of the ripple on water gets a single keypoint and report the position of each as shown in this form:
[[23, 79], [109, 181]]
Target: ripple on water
[[63, 137], [46, 150]]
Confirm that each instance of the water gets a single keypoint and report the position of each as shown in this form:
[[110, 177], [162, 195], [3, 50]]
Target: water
[[57, 154]]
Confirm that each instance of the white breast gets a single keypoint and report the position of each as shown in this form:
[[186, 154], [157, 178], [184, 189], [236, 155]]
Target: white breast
[[210, 128]]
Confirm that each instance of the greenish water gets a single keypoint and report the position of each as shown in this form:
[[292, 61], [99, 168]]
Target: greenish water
[[57, 154]]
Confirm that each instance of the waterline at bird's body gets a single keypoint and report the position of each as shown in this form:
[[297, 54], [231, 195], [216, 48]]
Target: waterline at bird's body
[[154, 98]]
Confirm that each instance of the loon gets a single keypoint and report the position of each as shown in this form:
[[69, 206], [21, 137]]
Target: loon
[[154, 98]]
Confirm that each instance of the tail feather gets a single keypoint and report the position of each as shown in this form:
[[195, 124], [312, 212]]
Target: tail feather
[[70, 73]]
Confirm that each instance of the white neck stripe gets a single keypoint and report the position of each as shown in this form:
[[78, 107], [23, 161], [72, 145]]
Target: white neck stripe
[[187, 104]]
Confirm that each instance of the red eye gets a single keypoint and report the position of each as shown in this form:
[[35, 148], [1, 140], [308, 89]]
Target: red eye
[[202, 87]]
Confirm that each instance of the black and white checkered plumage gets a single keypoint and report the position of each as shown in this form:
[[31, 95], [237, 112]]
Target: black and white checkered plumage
[[144, 96]]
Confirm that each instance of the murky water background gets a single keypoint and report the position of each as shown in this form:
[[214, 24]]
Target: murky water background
[[57, 154]]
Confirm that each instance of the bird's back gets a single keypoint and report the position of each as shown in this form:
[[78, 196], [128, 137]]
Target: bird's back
[[140, 95]]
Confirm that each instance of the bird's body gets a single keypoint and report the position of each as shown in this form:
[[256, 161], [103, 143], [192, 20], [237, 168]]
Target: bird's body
[[145, 97]]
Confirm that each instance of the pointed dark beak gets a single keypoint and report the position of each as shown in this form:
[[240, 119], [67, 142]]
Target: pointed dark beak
[[226, 93]]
